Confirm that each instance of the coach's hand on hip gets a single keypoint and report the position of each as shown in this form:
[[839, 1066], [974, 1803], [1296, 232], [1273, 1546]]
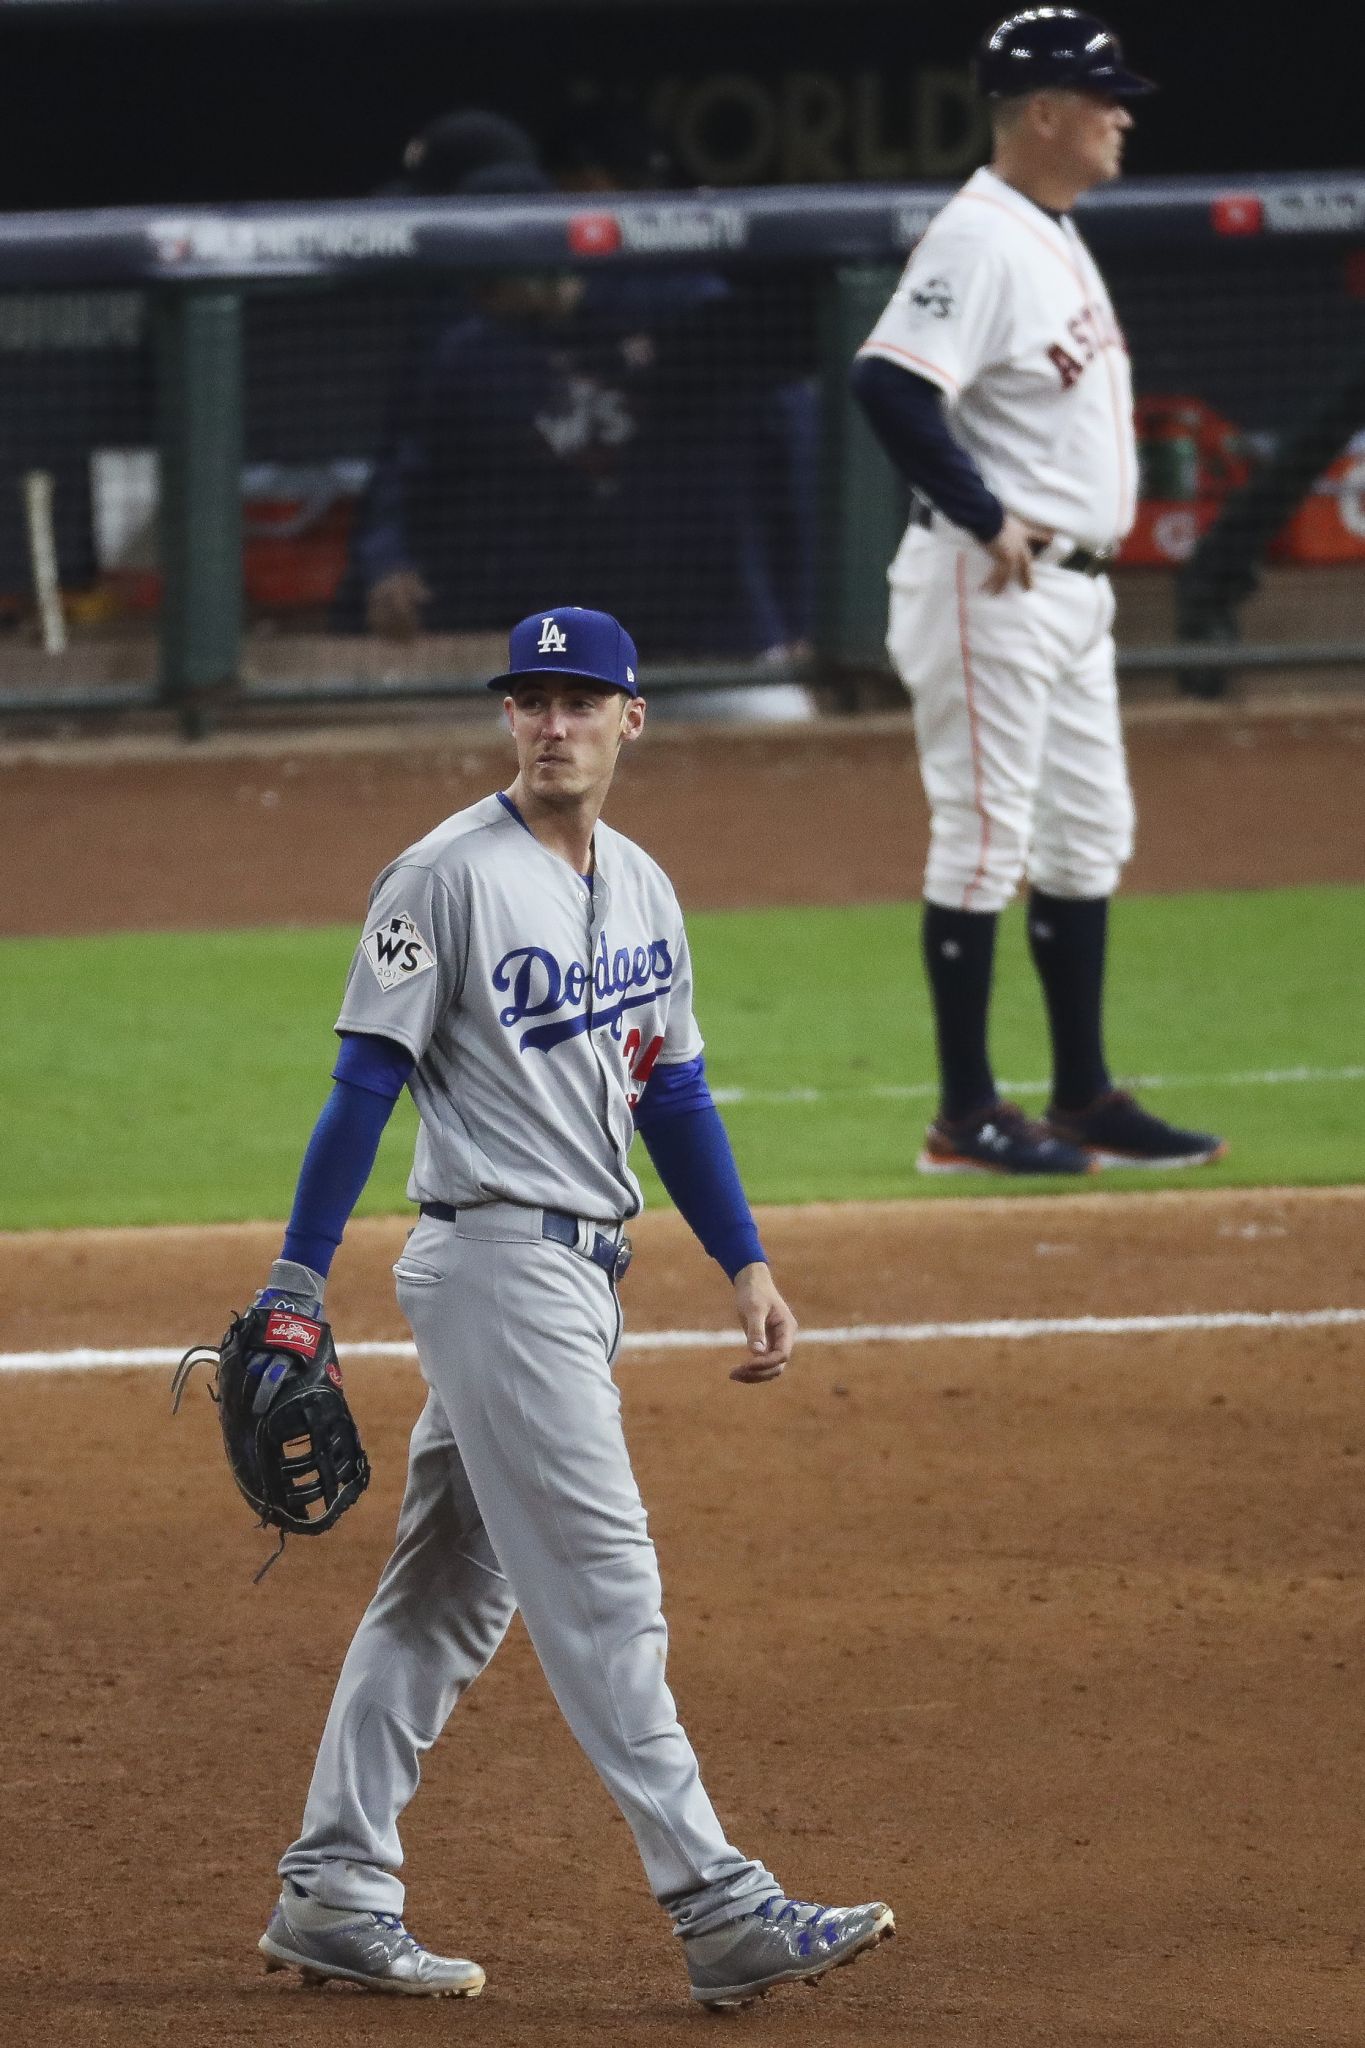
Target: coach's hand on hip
[[767, 1322], [1012, 552]]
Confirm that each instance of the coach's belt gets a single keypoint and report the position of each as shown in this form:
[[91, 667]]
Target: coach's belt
[[1085, 561], [612, 1254]]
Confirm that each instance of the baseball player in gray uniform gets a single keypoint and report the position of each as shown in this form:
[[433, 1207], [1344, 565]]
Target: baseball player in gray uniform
[[524, 970], [997, 379]]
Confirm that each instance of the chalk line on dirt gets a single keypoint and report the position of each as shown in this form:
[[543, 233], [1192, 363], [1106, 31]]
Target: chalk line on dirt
[[1015, 1329]]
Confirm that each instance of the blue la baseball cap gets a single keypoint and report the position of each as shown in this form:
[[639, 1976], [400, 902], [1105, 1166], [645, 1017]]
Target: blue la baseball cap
[[571, 641]]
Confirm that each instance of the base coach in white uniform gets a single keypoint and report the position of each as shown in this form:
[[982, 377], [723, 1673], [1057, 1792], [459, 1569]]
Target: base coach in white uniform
[[524, 971], [998, 380]]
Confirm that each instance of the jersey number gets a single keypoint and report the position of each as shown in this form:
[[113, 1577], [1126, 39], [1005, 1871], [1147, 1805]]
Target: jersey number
[[639, 1064]]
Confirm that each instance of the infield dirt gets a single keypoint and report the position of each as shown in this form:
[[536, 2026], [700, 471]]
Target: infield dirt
[[1056, 1644], [294, 830]]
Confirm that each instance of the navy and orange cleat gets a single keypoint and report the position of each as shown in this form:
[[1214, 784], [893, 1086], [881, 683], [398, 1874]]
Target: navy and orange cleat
[[1000, 1139], [1117, 1131]]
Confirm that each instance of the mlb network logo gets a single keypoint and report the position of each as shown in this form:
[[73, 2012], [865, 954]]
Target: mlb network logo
[[594, 234], [1237, 213]]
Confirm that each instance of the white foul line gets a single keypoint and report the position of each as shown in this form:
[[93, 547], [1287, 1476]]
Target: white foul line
[[927, 1091], [1014, 1330]]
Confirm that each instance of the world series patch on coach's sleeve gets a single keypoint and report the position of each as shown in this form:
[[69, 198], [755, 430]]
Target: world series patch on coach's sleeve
[[397, 951], [934, 298]]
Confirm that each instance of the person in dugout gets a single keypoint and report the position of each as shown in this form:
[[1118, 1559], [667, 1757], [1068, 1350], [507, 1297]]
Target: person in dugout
[[582, 429]]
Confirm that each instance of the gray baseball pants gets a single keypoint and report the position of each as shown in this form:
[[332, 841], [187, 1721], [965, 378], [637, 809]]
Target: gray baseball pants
[[520, 1494]]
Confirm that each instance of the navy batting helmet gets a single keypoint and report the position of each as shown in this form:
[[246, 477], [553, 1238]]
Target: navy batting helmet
[[1051, 46]]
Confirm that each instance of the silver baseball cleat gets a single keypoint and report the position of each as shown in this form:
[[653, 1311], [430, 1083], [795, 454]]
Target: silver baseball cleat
[[374, 1950], [783, 1941]]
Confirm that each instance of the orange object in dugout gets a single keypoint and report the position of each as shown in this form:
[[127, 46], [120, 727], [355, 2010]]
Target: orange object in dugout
[[1329, 526], [1193, 459]]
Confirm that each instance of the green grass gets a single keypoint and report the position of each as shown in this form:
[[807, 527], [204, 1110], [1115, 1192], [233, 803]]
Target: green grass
[[175, 1077]]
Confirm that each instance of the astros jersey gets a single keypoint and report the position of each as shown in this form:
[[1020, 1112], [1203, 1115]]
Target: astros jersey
[[1001, 306], [534, 1007]]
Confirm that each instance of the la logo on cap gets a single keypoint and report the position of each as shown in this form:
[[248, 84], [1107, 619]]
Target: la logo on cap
[[552, 640]]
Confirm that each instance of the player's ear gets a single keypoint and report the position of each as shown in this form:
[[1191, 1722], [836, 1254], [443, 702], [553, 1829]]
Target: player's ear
[[632, 718], [1047, 113]]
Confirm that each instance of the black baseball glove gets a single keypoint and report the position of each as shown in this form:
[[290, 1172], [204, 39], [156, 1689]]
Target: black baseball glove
[[291, 1441]]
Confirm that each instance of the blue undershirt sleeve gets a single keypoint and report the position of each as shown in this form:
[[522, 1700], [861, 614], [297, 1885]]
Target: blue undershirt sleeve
[[380, 1064], [906, 413], [368, 1078], [687, 1142]]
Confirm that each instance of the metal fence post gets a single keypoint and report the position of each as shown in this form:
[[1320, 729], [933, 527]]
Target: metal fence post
[[199, 388], [863, 500]]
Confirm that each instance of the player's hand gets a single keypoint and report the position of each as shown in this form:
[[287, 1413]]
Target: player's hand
[[395, 605], [1012, 552], [294, 1285], [767, 1323]]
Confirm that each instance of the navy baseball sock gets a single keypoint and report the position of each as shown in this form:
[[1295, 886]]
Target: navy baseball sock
[[1066, 937], [959, 954]]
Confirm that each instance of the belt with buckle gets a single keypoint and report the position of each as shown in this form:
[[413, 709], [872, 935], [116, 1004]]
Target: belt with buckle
[[1085, 561], [612, 1254]]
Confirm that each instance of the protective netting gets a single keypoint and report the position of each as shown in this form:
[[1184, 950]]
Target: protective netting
[[1249, 370], [428, 458], [432, 464], [78, 544]]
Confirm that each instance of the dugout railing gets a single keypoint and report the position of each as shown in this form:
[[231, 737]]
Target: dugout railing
[[287, 455]]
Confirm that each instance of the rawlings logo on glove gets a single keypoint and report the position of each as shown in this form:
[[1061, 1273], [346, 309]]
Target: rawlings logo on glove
[[290, 1332]]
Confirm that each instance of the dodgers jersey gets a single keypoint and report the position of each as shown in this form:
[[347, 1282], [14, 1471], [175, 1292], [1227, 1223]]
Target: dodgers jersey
[[1001, 306], [534, 1006]]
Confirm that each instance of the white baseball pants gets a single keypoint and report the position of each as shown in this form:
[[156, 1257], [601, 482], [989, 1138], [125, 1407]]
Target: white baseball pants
[[1016, 723], [520, 1494]]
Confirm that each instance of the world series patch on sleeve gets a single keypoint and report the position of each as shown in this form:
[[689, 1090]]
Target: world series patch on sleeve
[[396, 950]]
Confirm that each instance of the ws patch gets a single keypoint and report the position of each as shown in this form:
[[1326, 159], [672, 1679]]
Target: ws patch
[[935, 297], [397, 951]]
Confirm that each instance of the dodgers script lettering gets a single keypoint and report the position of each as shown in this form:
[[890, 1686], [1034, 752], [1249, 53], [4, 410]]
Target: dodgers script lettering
[[539, 985]]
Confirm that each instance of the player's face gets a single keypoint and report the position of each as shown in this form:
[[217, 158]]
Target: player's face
[[1090, 135], [568, 735]]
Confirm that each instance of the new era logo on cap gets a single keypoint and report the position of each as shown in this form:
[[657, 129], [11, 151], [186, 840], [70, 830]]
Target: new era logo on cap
[[570, 640]]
